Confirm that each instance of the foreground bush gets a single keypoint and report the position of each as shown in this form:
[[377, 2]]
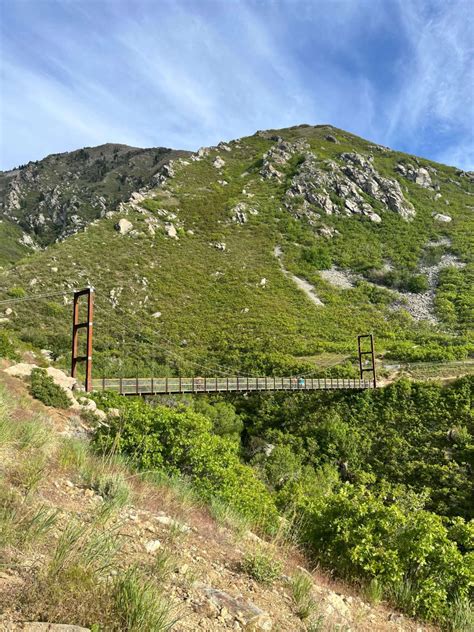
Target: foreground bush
[[44, 389], [182, 442], [410, 552]]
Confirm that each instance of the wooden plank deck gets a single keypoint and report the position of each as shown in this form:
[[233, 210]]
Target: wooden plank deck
[[164, 385]]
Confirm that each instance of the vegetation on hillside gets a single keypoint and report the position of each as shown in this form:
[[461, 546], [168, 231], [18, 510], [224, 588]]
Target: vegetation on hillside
[[236, 310], [377, 485]]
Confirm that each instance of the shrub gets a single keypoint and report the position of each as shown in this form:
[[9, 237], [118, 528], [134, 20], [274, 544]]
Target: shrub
[[410, 552], [44, 389], [317, 256], [416, 283], [182, 442], [16, 292], [7, 346], [139, 606], [262, 566], [225, 421]]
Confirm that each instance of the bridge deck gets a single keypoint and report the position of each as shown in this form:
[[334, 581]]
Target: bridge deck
[[162, 385]]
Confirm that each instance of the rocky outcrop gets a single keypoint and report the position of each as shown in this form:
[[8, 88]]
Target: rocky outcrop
[[419, 175], [219, 163], [170, 230], [351, 188], [68, 384], [241, 211], [278, 156]]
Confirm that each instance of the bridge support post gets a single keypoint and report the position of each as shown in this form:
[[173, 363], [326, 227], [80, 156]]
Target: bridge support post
[[370, 352], [76, 325]]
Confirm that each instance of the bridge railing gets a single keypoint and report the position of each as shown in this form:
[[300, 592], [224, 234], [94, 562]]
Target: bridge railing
[[160, 385]]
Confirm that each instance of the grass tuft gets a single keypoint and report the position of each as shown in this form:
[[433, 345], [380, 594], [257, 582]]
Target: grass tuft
[[301, 592], [140, 606]]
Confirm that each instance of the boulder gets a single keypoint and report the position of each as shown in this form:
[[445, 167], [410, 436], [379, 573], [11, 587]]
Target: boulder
[[239, 213], [87, 404], [328, 232], [152, 546], [21, 370], [331, 139], [218, 163], [250, 617], [171, 231], [336, 605], [423, 178], [61, 379], [439, 217], [123, 226], [220, 245], [419, 175]]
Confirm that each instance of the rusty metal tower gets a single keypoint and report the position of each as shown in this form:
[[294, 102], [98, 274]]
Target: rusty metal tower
[[368, 352], [87, 325]]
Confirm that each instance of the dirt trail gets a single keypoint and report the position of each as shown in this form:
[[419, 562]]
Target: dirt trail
[[304, 285]]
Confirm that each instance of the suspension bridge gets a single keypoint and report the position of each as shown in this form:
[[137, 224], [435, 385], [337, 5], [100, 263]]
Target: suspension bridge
[[220, 382], [170, 385]]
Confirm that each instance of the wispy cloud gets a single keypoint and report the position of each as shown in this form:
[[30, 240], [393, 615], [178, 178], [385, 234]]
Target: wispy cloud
[[184, 73]]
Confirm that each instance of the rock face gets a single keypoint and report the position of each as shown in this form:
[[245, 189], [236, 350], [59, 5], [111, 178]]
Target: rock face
[[278, 156], [326, 186], [419, 175]]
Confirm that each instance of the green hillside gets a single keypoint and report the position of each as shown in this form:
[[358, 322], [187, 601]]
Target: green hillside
[[55, 197], [203, 280]]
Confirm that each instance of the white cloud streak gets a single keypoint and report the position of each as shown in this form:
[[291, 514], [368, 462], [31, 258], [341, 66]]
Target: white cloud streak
[[187, 73]]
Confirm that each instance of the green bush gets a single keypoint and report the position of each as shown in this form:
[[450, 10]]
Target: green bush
[[183, 442], [225, 421], [416, 283], [361, 536], [44, 389], [262, 566], [7, 346], [317, 256], [17, 292]]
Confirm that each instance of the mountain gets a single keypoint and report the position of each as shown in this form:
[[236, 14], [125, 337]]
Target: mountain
[[55, 197], [268, 253]]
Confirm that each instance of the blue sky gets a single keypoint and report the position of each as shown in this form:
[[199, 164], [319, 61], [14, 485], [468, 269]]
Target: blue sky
[[184, 74]]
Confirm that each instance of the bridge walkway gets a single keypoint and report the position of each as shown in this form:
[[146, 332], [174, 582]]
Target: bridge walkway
[[164, 385]]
